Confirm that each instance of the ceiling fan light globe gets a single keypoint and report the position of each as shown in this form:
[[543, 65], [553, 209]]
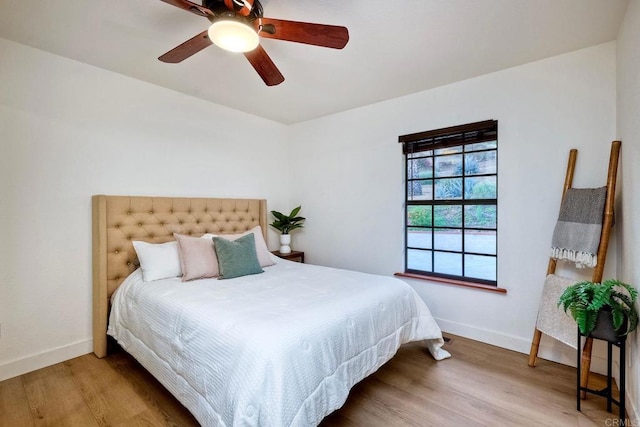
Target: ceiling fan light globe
[[233, 36]]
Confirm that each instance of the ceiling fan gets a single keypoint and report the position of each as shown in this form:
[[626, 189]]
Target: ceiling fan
[[236, 25]]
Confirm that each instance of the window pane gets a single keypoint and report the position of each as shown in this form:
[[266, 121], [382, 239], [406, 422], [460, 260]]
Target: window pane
[[448, 188], [449, 150], [481, 187], [480, 163], [419, 215], [481, 146], [483, 242], [420, 190], [419, 238], [480, 216], [447, 263], [420, 168], [448, 216], [418, 260], [480, 267], [420, 154], [447, 239], [449, 166]]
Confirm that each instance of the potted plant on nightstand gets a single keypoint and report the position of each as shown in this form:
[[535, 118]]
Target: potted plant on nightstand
[[602, 310], [285, 224]]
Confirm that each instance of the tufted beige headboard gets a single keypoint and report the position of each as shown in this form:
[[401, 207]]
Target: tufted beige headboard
[[117, 220]]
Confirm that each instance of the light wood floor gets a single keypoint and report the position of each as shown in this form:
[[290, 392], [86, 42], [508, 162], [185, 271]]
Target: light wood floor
[[480, 385]]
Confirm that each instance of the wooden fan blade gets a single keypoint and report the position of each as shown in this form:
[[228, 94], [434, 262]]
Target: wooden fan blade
[[190, 7], [186, 49], [264, 66], [243, 10], [304, 32]]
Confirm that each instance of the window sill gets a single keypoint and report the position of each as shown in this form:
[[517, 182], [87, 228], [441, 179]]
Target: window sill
[[453, 282]]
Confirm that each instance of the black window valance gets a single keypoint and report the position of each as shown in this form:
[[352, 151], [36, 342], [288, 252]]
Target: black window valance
[[447, 137]]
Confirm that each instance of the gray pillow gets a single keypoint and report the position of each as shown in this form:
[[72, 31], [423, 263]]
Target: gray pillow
[[238, 257]]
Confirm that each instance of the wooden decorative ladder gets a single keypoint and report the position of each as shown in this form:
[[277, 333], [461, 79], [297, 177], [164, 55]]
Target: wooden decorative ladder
[[598, 270]]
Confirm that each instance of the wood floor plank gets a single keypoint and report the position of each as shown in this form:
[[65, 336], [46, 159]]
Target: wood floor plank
[[414, 409], [55, 400], [147, 418], [14, 407], [505, 391], [456, 400], [109, 396], [157, 399]]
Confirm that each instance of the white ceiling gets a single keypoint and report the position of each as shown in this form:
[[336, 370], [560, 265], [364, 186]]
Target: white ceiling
[[396, 47]]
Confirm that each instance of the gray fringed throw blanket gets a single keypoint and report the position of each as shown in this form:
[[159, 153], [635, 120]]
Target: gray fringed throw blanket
[[577, 234]]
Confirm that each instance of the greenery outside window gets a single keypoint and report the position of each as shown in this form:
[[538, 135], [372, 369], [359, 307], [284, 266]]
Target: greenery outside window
[[451, 202]]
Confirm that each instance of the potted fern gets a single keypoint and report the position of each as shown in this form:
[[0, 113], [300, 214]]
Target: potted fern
[[602, 310], [286, 224]]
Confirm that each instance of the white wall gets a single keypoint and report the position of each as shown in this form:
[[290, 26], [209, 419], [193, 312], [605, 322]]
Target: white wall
[[628, 209], [349, 180], [69, 130]]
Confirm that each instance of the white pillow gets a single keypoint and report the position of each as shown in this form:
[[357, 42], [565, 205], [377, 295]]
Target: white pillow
[[264, 256], [158, 261]]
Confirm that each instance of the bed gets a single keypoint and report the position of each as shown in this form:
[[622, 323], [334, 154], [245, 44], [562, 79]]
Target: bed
[[279, 348]]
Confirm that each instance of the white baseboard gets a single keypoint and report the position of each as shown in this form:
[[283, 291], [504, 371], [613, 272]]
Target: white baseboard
[[16, 367], [549, 349]]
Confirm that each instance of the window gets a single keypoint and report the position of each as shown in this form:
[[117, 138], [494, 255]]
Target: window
[[451, 202]]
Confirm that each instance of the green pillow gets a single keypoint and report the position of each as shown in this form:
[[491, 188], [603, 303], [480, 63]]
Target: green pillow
[[238, 257]]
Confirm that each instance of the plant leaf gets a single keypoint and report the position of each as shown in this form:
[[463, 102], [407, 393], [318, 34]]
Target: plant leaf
[[590, 321], [295, 211], [632, 321], [601, 297], [618, 318], [278, 215]]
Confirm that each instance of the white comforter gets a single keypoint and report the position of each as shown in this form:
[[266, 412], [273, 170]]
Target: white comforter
[[279, 348]]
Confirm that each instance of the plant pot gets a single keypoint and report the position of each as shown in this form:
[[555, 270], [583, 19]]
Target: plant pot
[[604, 327], [285, 241]]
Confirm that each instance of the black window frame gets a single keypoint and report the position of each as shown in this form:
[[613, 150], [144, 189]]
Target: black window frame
[[430, 141]]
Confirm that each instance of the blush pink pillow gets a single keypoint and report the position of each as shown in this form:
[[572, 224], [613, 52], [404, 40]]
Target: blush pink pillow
[[198, 259]]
